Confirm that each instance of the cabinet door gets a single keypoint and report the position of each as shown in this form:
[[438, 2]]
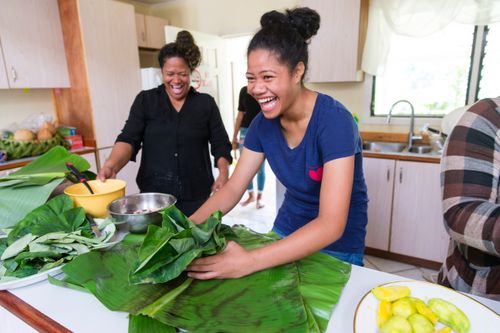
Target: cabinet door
[[32, 43], [112, 64], [417, 221], [141, 30], [4, 82], [333, 52], [379, 176], [128, 173], [155, 31]]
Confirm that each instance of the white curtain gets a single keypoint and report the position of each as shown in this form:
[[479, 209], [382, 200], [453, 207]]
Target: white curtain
[[417, 19]]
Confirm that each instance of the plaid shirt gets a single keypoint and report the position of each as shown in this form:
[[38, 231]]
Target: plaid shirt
[[470, 170]]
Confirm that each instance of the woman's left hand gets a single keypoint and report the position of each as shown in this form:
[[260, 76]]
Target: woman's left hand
[[219, 182], [233, 262]]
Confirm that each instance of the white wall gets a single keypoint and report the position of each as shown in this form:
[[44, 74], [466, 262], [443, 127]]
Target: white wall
[[17, 104]]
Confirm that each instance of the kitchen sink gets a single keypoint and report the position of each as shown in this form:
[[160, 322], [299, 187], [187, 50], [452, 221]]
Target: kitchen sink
[[420, 149], [384, 147]]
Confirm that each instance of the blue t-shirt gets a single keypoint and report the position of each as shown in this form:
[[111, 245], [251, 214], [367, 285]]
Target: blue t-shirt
[[331, 133]]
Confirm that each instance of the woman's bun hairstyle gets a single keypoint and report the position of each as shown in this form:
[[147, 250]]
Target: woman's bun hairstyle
[[287, 35], [183, 47], [303, 19]]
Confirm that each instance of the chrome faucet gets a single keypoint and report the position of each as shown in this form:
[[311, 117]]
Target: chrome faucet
[[411, 135]]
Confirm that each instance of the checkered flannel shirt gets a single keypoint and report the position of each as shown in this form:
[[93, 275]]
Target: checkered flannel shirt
[[470, 170]]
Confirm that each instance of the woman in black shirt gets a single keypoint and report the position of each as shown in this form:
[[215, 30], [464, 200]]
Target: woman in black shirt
[[174, 124]]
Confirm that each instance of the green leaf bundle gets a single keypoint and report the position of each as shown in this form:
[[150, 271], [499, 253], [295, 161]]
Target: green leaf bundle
[[296, 297]]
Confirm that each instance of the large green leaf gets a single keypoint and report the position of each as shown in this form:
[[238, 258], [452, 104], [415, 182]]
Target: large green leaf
[[29, 187], [143, 324], [297, 297]]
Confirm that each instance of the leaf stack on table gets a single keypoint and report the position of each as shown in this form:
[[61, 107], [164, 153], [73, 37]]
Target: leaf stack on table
[[144, 275]]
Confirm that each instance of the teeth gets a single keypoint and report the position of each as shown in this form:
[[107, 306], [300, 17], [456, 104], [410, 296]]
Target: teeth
[[265, 100]]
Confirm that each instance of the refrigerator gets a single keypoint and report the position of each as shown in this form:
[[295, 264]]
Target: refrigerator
[[151, 77]]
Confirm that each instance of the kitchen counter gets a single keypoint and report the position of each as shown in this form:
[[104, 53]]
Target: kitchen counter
[[82, 312], [428, 158]]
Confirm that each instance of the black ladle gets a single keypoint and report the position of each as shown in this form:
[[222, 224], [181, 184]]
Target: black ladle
[[81, 178]]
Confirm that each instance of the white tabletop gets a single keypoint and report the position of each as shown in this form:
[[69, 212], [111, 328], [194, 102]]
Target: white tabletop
[[82, 312]]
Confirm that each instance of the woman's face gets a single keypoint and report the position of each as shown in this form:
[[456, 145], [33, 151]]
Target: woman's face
[[175, 73], [271, 83]]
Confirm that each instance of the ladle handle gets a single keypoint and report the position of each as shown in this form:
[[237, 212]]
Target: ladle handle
[[81, 178]]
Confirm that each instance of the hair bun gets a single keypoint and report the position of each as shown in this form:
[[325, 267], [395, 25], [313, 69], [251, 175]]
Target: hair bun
[[273, 18], [184, 39], [186, 44], [305, 20]]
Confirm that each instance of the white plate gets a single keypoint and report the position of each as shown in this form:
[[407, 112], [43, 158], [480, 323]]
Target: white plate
[[482, 319], [28, 280]]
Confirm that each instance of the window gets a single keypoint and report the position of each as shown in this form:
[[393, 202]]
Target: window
[[434, 72], [490, 71]]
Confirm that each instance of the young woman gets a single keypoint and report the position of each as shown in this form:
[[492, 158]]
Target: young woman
[[173, 125], [313, 146]]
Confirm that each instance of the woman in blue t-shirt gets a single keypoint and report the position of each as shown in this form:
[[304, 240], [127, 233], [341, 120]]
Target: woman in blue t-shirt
[[313, 146]]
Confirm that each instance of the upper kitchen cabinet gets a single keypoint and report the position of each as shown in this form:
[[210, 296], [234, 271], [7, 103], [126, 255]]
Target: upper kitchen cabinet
[[32, 45], [335, 52], [104, 68], [150, 31]]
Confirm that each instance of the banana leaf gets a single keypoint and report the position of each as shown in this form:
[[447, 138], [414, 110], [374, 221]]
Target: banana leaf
[[141, 323], [296, 297], [29, 187]]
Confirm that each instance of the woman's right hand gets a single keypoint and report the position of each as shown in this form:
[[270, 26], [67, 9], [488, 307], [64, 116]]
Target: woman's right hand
[[106, 172]]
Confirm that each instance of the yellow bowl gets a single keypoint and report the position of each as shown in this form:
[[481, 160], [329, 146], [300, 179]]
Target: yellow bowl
[[104, 193]]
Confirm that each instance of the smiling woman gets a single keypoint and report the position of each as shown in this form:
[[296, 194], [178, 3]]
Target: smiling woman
[[173, 125], [313, 146]]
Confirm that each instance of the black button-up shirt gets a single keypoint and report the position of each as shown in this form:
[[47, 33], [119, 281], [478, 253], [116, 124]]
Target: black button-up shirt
[[175, 157]]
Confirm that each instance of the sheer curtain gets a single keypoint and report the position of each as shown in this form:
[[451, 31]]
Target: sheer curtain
[[417, 19]]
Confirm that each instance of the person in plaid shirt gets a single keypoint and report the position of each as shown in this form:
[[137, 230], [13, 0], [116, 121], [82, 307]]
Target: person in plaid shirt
[[470, 169]]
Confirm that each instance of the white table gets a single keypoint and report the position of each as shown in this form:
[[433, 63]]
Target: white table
[[82, 312]]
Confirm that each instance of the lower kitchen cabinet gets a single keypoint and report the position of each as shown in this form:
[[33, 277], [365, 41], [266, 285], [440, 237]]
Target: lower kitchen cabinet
[[404, 214], [128, 173]]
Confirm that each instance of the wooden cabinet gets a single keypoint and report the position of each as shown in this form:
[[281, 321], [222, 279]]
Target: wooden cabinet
[[150, 31], [379, 175], [32, 45], [417, 220], [335, 51], [404, 211]]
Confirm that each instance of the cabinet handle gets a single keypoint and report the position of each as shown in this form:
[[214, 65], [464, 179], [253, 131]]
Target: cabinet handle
[[14, 73], [388, 174], [400, 175]]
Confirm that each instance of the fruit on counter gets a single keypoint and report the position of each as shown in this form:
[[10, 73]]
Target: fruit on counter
[[391, 293], [384, 312], [44, 134], [48, 126], [450, 315], [403, 307], [420, 324], [24, 135], [425, 311], [396, 324], [6, 135]]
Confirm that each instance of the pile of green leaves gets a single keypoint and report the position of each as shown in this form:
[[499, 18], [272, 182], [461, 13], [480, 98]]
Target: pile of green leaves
[[49, 236], [29, 187], [167, 250], [296, 297]]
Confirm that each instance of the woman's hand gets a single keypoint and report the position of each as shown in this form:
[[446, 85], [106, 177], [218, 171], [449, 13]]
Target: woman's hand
[[106, 172], [220, 181], [233, 262]]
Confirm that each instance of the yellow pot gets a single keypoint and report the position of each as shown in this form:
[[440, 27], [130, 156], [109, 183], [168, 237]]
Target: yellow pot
[[104, 193]]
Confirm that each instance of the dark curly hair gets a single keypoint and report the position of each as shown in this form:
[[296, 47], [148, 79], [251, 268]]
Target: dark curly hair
[[183, 47], [287, 35]]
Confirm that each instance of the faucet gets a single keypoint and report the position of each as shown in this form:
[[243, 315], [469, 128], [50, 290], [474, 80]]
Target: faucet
[[411, 134]]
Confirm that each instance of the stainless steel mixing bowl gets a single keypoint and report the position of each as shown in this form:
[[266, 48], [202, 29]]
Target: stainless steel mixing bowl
[[140, 210]]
